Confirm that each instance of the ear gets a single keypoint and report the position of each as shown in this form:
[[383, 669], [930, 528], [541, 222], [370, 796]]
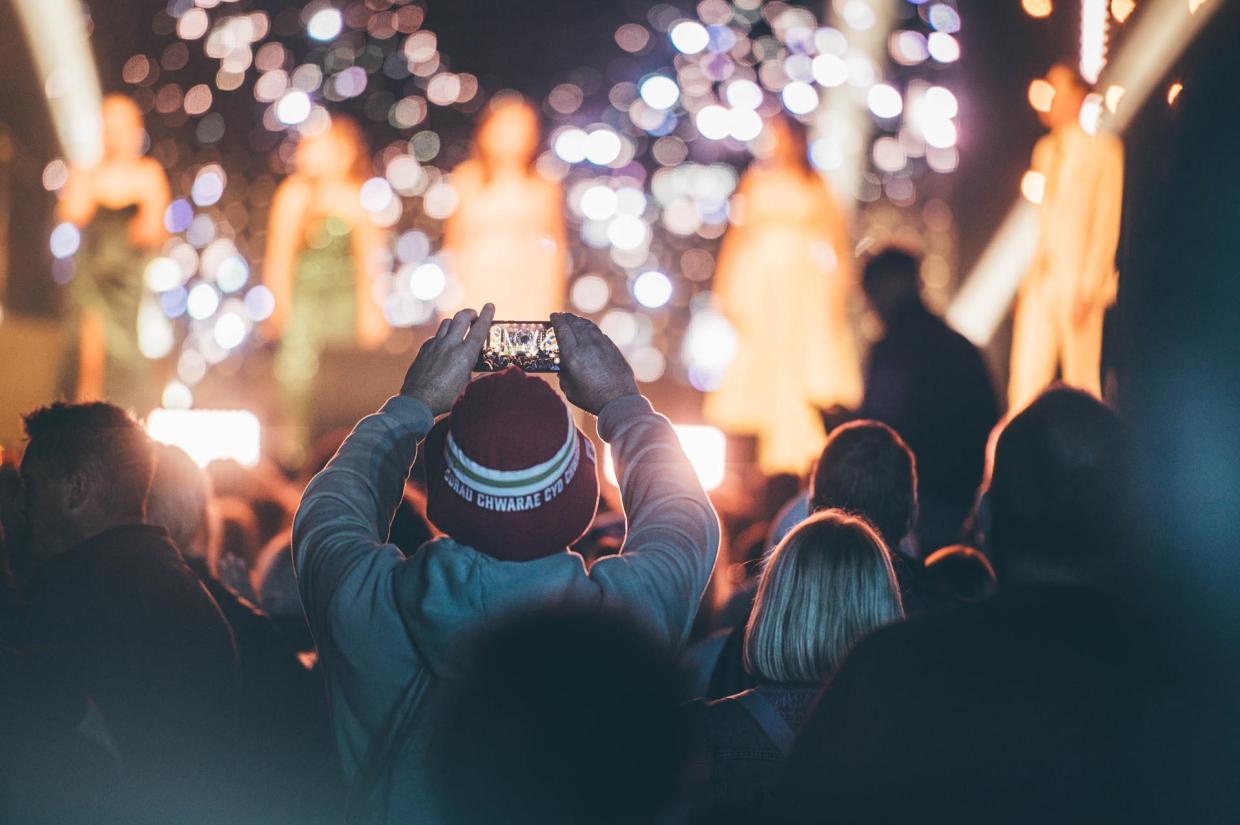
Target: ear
[[78, 489]]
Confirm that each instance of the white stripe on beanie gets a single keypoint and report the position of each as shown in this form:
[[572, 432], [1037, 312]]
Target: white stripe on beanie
[[510, 483]]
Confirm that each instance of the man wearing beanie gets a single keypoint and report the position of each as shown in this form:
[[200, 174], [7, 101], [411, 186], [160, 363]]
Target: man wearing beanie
[[512, 483]]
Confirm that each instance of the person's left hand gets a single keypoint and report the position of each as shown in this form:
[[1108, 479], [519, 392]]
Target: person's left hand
[[441, 370]]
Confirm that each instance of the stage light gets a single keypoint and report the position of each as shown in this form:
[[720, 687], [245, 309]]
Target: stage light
[[1174, 91], [65, 240], [889, 155], [746, 124], [944, 18], [230, 330], [705, 447], [599, 202], [427, 281], [943, 47], [689, 36], [202, 302], [375, 194], [1122, 9], [941, 134], [590, 293], [940, 103], [155, 336], [208, 186], [648, 364], [1041, 95], [1114, 95], [1033, 186], [324, 24], [908, 48], [259, 303], [602, 146], [162, 274], [799, 97], [208, 435], [1093, 38], [652, 289], [884, 101], [620, 326], [627, 232], [293, 108], [177, 396], [660, 91], [1037, 8], [232, 273], [713, 122], [570, 145], [743, 94]]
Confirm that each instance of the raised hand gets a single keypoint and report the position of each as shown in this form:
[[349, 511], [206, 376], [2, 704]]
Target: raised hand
[[593, 371], [441, 370]]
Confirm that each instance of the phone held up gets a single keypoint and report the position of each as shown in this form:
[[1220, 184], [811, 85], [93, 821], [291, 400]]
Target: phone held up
[[530, 345]]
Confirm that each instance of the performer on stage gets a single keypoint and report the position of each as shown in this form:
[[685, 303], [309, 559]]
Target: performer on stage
[[506, 237], [119, 206], [1072, 279], [323, 255], [784, 276]]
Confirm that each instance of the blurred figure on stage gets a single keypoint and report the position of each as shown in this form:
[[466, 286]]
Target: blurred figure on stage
[[784, 277], [506, 237], [118, 204], [323, 254], [1072, 280]]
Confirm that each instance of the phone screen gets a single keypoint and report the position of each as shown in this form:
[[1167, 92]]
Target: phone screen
[[530, 345]]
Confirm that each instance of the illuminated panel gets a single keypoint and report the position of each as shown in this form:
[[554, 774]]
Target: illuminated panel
[[1094, 19], [706, 447], [208, 435]]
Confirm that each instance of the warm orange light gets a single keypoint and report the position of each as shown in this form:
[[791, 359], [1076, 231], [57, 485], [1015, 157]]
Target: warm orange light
[[1033, 186], [1037, 8], [1041, 95], [1193, 5], [1113, 96], [1174, 92], [1121, 9]]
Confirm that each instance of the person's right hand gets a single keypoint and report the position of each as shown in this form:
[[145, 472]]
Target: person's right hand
[[593, 371], [441, 370]]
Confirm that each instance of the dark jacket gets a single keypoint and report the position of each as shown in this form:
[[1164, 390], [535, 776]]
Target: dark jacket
[[930, 384], [121, 619], [736, 761]]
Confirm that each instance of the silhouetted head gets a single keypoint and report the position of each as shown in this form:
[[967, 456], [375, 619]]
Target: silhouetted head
[[181, 502], [891, 281], [87, 468], [866, 469], [562, 716], [958, 574], [1051, 512], [1070, 91], [828, 583]]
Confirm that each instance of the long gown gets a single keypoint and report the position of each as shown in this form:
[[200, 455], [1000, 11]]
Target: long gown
[[108, 282], [784, 285], [323, 313], [507, 254]]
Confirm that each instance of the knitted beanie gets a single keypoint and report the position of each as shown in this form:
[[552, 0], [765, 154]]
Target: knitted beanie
[[508, 473]]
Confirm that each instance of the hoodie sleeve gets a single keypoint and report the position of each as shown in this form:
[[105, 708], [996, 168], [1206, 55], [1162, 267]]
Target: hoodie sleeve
[[673, 531], [340, 549]]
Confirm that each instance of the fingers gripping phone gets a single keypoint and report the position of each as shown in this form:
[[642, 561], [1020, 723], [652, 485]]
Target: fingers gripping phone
[[530, 345]]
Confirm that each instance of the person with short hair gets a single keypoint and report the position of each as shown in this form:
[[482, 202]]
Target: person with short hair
[[827, 584], [512, 483], [931, 385], [116, 615]]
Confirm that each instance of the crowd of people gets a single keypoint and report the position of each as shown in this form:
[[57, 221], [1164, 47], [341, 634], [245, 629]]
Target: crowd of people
[[452, 630]]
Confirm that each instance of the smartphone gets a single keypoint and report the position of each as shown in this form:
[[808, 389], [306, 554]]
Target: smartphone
[[530, 345]]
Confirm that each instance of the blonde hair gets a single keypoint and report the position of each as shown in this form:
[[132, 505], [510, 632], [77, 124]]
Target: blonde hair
[[828, 583]]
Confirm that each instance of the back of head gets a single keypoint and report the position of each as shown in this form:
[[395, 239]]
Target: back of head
[[100, 440], [563, 716], [867, 469], [828, 583], [891, 281], [957, 574], [180, 501], [1053, 503]]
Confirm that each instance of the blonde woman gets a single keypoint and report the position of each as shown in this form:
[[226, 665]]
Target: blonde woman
[[827, 584]]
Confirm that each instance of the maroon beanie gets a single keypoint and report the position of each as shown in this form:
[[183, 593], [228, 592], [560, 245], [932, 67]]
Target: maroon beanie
[[508, 473]]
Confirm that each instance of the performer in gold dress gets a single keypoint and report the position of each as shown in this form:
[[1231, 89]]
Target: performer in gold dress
[[784, 276], [506, 239], [119, 206]]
